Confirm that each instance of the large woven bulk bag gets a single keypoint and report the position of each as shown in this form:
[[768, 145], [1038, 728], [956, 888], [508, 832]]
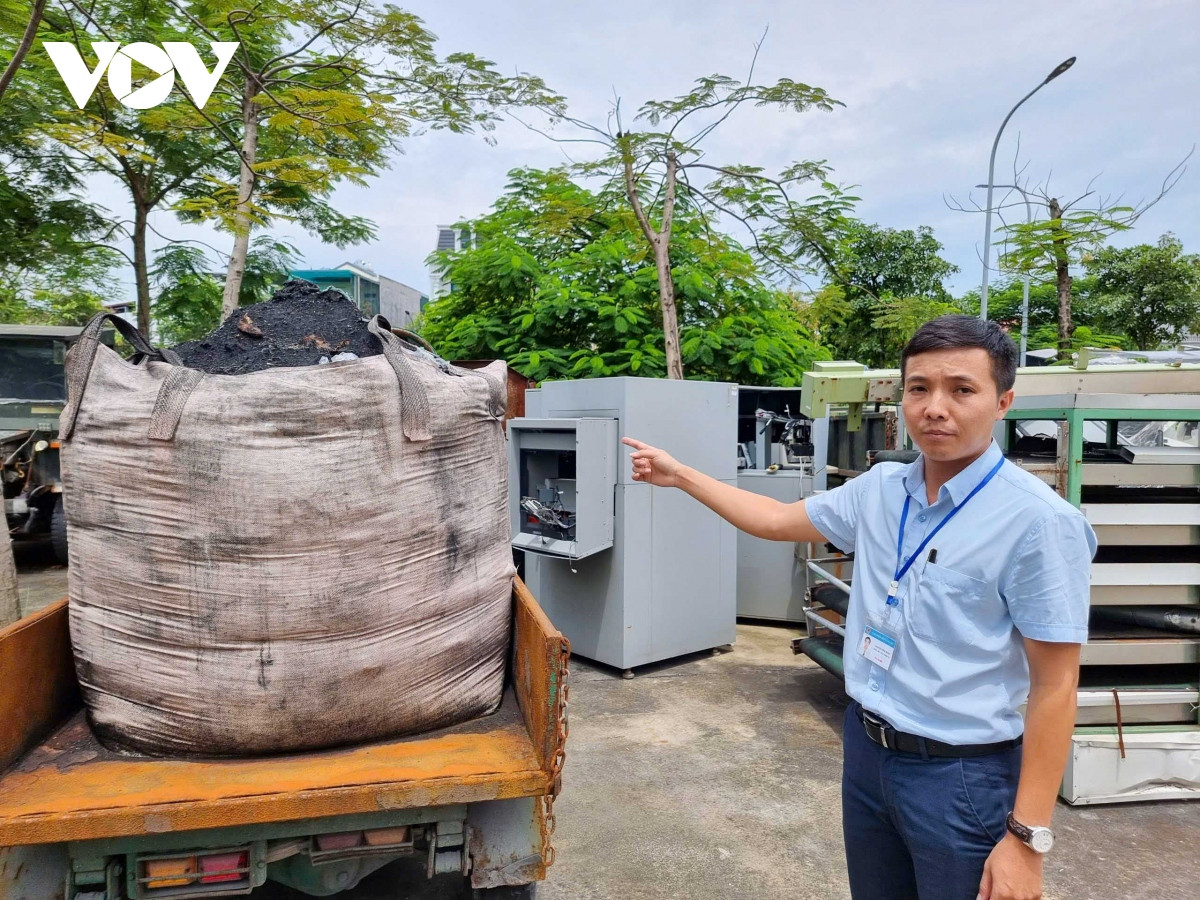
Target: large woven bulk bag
[[288, 559]]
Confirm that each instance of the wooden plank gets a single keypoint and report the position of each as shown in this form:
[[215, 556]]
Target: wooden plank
[[73, 789], [37, 680]]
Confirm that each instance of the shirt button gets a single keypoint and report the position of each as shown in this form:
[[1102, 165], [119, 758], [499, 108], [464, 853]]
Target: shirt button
[[874, 685], [921, 517]]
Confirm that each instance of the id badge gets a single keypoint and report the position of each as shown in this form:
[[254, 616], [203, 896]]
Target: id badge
[[877, 647]]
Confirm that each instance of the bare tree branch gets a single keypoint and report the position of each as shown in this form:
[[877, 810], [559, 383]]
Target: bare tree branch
[[324, 29], [704, 132], [635, 201], [220, 254]]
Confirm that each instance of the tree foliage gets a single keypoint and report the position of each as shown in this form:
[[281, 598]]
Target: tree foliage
[[1150, 292], [657, 161], [890, 282], [51, 258], [325, 92], [187, 304], [318, 94], [63, 291], [559, 281]]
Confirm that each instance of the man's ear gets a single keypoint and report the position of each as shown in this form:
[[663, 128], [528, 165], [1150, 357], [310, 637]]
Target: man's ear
[[1005, 404]]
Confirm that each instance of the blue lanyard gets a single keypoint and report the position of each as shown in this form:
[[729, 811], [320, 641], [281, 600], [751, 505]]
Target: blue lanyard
[[902, 570]]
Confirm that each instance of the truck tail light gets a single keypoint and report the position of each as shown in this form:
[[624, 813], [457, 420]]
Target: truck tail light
[[168, 873], [180, 876], [223, 867]]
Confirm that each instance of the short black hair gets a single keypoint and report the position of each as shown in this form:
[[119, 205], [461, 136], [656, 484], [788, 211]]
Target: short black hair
[[964, 332]]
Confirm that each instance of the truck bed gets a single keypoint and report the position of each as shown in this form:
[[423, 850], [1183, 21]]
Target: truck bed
[[61, 784]]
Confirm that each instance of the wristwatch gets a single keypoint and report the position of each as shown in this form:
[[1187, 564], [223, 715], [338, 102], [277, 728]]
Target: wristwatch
[[1038, 838]]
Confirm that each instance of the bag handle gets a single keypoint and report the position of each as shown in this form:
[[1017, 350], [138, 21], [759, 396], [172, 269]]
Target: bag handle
[[414, 404], [497, 389], [82, 355]]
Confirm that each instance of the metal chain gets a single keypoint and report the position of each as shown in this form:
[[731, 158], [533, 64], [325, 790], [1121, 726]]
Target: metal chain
[[562, 729]]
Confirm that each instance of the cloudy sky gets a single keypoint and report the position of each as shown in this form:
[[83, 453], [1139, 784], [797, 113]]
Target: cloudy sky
[[925, 86]]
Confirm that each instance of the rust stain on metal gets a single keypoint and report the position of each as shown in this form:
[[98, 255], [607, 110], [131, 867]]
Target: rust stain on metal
[[536, 659], [158, 824], [518, 384], [37, 680]]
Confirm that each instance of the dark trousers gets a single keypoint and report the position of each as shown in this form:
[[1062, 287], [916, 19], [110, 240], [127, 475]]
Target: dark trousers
[[916, 828]]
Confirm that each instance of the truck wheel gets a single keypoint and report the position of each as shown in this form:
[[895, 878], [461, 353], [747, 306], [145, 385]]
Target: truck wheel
[[510, 892], [58, 530]]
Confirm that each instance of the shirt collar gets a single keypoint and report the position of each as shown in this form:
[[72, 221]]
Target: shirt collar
[[960, 485]]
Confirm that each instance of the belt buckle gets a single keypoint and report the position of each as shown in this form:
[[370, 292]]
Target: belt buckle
[[877, 729]]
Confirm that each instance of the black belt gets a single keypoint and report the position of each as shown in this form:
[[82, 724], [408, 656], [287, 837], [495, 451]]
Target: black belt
[[881, 732]]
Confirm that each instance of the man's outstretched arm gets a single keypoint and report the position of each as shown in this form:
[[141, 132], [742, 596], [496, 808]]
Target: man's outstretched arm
[[754, 514]]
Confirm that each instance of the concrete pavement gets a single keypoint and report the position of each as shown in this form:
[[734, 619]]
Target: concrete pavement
[[718, 777]]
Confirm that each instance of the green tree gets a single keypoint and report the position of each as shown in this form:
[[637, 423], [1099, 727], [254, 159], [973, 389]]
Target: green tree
[[48, 232], [319, 93], [161, 155], [657, 162], [1045, 337], [890, 282], [67, 291], [188, 303], [324, 93], [1151, 292], [1047, 249], [560, 281], [1088, 309]]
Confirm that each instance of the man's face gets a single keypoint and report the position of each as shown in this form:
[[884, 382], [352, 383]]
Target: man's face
[[951, 402]]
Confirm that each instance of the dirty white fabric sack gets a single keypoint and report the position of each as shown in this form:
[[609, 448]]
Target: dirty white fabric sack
[[288, 559]]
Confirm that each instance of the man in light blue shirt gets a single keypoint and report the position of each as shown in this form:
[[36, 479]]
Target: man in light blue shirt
[[969, 597]]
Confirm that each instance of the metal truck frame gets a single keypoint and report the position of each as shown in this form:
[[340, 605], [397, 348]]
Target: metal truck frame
[[80, 822]]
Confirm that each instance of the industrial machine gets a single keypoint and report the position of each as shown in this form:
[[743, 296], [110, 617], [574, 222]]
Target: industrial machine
[[631, 574], [781, 454], [1122, 442]]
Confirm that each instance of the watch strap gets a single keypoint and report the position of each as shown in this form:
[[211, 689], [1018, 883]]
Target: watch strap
[[1023, 833], [1038, 838]]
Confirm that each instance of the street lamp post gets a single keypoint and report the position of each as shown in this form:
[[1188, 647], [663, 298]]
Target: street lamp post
[[987, 227], [1025, 277]]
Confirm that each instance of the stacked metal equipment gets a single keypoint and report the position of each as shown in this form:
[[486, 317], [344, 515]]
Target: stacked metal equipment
[[1122, 445], [781, 455], [1120, 441]]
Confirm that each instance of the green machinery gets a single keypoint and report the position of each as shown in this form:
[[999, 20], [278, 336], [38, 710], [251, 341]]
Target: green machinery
[[33, 391], [1120, 442]]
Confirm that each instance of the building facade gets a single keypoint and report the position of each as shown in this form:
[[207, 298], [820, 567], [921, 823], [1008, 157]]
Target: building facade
[[374, 294]]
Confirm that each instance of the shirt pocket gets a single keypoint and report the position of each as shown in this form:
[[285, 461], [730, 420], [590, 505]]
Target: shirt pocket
[[949, 607]]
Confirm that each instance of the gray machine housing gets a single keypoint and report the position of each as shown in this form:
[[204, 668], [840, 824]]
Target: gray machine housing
[[668, 584], [772, 579], [586, 487]]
